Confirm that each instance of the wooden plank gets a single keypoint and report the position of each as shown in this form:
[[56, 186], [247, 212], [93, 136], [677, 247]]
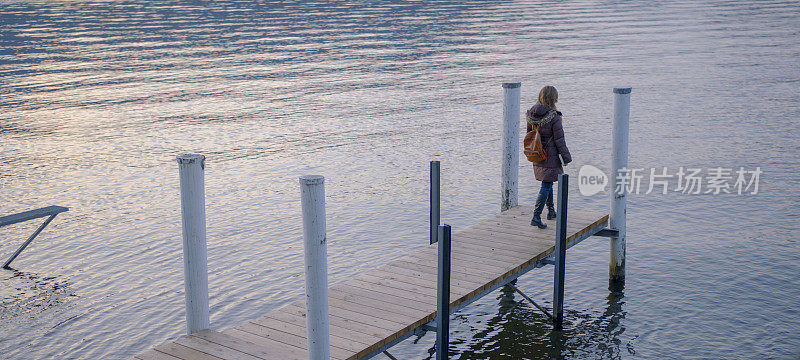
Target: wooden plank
[[379, 305], [408, 290], [335, 352], [294, 324], [400, 326], [267, 351], [424, 267], [514, 228], [527, 211], [574, 226], [393, 299], [31, 214], [421, 281], [478, 256], [391, 335], [428, 257], [427, 276], [517, 268], [519, 230], [256, 333], [523, 231], [529, 246], [368, 332], [360, 316], [466, 281], [513, 261], [499, 236], [155, 355], [408, 294], [489, 249], [389, 318], [430, 278], [427, 291], [215, 349], [474, 259], [270, 337], [294, 315], [183, 352], [523, 216], [426, 316], [530, 242], [381, 336], [482, 278], [402, 293], [472, 264]]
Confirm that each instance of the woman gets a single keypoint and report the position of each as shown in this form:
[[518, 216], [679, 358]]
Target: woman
[[547, 119]]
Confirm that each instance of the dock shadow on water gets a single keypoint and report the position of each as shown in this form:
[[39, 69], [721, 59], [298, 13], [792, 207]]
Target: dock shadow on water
[[520, 331]]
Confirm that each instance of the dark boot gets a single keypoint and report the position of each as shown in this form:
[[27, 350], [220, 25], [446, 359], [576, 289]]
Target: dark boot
[[537, 213], [551, 209]]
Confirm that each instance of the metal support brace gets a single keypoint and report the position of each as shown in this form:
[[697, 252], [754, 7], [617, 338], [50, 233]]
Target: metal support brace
[[607, 232], [560, 251], [389, 355], [428, 327], [531, 300], [52, 211]]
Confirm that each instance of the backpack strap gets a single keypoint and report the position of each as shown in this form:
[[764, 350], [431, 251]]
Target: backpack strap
[[547, 118]]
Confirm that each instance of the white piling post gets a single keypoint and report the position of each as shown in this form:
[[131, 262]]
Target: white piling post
[[510, 179], [312, 191], [619, 160], [195, 267]]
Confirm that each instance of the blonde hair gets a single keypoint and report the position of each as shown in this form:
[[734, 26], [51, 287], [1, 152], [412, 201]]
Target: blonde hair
[[548, 97]]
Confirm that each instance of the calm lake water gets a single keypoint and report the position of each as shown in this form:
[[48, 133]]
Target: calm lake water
[[98, 97]]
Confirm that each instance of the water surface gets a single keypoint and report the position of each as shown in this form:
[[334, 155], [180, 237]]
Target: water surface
[[98, 97]]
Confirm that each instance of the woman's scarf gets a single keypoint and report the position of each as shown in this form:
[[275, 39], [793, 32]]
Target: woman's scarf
[[536, 123]]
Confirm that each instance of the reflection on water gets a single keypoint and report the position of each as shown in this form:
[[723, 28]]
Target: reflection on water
[[520, 331], [98, 97], [26, 295]]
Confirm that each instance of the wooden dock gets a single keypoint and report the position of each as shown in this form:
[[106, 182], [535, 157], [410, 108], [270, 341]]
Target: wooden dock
[[379, 308]]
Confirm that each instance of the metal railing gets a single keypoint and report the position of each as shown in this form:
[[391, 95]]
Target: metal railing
[[50, 211]]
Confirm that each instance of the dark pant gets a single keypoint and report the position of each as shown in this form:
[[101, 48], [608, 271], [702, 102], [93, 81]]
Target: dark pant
[[546, 191], [545, 197]]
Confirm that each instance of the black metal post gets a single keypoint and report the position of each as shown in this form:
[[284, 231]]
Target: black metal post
[[443, 294], [560, 251], [435, 186]]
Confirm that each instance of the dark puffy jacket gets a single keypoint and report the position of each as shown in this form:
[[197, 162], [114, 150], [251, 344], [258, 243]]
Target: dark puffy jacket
[[553, 141]]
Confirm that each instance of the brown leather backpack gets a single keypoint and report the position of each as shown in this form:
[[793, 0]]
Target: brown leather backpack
[[533, 148]]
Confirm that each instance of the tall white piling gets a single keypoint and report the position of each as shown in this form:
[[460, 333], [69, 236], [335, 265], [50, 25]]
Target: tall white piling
[[510, 177], [195, 268], [619, 160], [312, 196]]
